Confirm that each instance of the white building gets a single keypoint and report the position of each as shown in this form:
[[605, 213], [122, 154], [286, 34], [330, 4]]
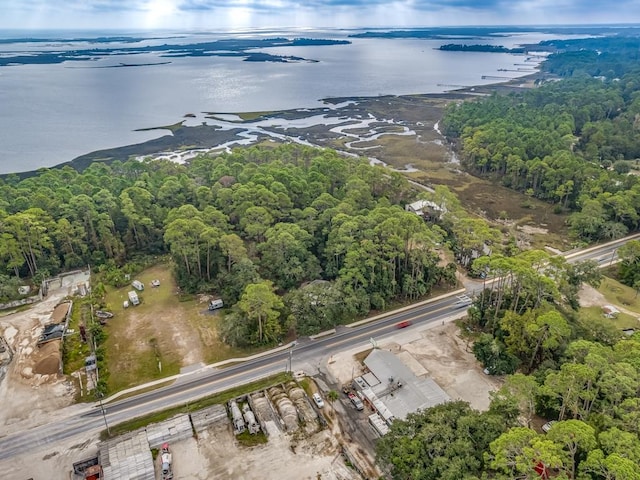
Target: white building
[[426, 208], [393, 390]]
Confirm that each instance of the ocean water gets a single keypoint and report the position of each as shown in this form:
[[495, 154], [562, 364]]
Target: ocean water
[[54, 113]]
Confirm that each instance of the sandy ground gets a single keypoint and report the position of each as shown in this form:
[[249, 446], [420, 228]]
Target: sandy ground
[[56, 463], [28, 398], [159, 323], [216, 454], [439, 353], [590, 297]]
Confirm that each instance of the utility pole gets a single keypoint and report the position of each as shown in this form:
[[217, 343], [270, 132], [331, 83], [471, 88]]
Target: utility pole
[[104, 413]]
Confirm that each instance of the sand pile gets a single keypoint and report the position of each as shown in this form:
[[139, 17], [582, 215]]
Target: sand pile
[[48, 359]]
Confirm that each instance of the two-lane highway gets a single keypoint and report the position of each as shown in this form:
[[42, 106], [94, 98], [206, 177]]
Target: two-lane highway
[[211, 380]]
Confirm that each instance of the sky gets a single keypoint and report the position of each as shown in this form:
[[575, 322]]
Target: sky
[[239, 14]]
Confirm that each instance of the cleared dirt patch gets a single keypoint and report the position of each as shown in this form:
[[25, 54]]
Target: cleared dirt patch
[[439, 353], [161, 335], [217, 454], [32, 391]]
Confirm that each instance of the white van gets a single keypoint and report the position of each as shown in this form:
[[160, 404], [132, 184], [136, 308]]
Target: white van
[[318, 399], [215, 304]]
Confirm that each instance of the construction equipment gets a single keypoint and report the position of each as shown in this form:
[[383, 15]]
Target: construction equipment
[[166, 460], [238, 420]]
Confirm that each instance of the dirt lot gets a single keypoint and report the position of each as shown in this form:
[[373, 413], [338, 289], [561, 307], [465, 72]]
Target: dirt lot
[[27, 397], [439, 353], [216, 454], [162, 335]]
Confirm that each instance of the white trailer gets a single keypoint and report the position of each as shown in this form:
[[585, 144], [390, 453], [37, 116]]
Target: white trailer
[[133, 298], [216, 304]]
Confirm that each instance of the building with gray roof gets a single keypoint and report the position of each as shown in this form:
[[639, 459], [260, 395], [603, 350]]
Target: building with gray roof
[[393, 389]]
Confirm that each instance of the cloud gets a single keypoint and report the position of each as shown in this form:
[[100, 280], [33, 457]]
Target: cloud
[[316, 13]]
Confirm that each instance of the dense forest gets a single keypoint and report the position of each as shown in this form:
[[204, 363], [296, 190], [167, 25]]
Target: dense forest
[[296, 238], [574, 143]]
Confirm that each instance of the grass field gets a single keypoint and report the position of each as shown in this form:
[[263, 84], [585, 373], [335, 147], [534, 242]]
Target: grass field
[[620, 295], [161, 335], [621, 322], [610, 292]]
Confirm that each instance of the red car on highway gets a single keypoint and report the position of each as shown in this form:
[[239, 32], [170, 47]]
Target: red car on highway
[[404, 324]]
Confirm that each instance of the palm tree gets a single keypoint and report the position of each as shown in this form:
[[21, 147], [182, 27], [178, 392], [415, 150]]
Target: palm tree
[[332, 396]]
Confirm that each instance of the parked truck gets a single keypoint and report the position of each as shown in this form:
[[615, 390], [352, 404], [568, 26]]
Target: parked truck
[[133, 298], [166, 460], [355, 401]]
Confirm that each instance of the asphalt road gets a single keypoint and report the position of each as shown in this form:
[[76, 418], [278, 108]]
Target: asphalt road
[[210, 380], [197, 385]]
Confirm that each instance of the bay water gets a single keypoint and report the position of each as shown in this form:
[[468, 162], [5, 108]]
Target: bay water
[[52, 113]]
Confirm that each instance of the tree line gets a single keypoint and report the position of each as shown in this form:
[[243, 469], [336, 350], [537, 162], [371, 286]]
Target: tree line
[[294, 238], [572, 143]]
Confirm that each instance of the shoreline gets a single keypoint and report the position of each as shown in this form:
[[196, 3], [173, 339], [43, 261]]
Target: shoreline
[[216, 133]]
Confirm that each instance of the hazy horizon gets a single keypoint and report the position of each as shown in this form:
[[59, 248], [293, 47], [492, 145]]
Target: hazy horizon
[[258, 14]]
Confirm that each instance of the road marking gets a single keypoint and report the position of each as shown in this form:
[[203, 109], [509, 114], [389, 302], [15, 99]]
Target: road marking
[[368, 333]]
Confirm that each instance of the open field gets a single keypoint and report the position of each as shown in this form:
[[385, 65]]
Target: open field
[[613, 293], [161, 335], [620, 295], [621, 322]]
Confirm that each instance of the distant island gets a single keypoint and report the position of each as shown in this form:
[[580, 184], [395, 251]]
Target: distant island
[[58, 41], [466, 33], [125, 65], [236, 47], [456, 47]]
